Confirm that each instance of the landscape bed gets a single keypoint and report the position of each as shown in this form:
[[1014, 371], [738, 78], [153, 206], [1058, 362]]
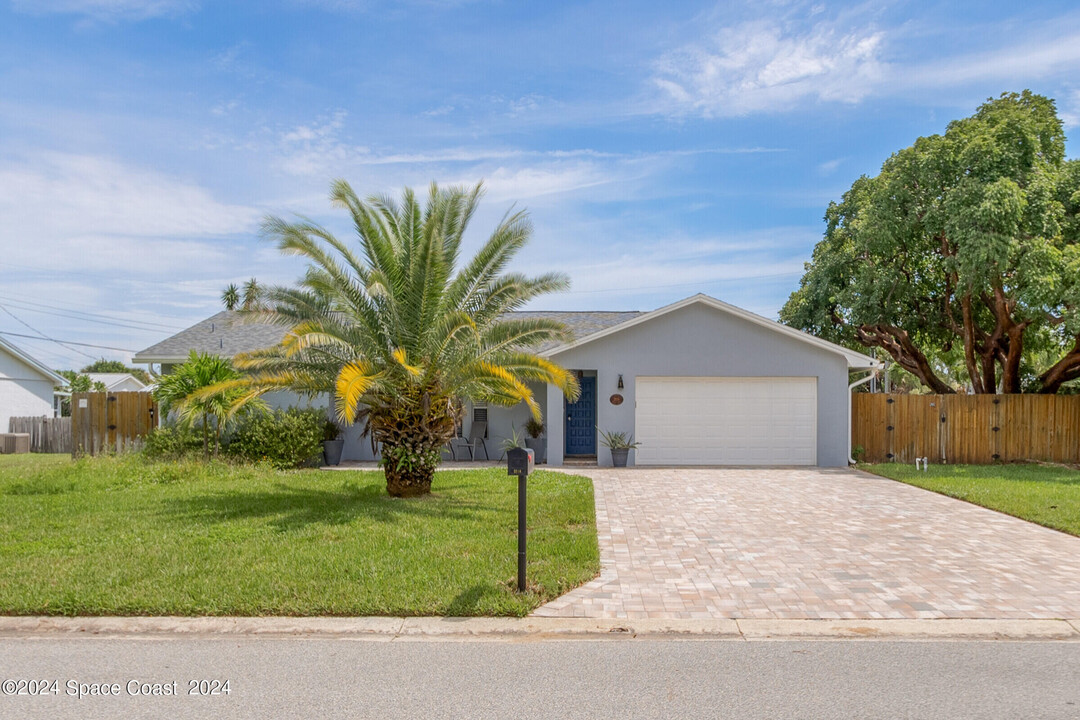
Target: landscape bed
[[122, 536], [1045, 494]]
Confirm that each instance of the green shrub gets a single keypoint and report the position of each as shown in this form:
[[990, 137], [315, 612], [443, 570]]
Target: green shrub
[[171, 442], [284, 438]]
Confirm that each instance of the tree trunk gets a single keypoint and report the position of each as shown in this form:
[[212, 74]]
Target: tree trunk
[[206, 437], [1010, 373], [410, 481], [1064, 370], [413, 432], [978, 384], [903, 350], [1009, 340]]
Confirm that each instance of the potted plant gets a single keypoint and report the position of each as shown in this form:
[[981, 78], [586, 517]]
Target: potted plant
[[534, 428], [620, 445], [516, 440], [333, 443]]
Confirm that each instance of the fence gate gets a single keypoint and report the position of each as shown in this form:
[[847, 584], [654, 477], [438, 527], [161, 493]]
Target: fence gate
[[110, 421], [966, 429]]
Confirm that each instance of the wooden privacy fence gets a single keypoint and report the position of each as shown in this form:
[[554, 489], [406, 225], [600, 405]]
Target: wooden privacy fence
[[47, 434], [110, 421], [966, 429]]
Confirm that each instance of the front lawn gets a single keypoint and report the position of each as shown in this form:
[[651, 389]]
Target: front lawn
[[1044, 494], [120, 536]]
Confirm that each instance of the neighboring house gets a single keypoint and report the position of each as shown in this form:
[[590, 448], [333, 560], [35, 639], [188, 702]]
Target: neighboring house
[[698, 382], [26, 385], [118, 382]]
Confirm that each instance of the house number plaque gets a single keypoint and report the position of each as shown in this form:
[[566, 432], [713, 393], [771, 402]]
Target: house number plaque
[[616, 399]]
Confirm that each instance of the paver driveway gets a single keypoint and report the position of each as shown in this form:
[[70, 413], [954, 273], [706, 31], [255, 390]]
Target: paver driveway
[[813, 543]]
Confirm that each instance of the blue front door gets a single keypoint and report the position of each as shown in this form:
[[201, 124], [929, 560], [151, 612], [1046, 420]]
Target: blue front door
[[581, 420]]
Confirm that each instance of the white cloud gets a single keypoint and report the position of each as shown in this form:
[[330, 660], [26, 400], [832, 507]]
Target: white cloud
[[829, 166], [107, 9], [783, 63], [1046, 56], [77, 195], [769, 66], [525, 183], [1069, 109]]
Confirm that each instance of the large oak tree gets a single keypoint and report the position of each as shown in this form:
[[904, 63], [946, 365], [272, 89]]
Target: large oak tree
[[963, 249]]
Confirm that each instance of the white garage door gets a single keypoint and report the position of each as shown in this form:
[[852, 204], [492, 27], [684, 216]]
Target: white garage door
[[726, 421]]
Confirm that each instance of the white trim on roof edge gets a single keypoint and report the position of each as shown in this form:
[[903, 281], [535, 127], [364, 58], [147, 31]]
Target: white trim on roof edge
[[855, 360], [34, 363]]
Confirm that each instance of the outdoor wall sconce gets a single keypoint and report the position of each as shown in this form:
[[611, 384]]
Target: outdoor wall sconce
[[620, 382]]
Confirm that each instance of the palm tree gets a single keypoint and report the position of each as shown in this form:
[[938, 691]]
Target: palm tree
[[400, 334], [230, 297], [195, 389], [252, 295]]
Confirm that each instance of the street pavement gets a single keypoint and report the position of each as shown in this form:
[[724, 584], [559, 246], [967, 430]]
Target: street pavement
[[339, 677]]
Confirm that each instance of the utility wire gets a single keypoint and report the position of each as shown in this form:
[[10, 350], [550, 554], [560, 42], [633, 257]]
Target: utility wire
[[43, 336], [89, 315], [65, 343], [20, 305]]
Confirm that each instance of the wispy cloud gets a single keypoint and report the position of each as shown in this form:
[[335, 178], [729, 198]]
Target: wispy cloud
[[109, 10], [766, 65], [97, 195], [800, 57], [1050, 54]]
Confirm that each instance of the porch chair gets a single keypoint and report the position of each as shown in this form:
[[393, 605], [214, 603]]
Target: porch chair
[[476, 438]]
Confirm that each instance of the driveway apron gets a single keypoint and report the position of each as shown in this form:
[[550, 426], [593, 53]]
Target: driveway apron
[[812, 543]]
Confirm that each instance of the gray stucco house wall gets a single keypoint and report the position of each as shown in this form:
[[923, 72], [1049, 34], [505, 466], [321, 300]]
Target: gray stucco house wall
[[702, 341]]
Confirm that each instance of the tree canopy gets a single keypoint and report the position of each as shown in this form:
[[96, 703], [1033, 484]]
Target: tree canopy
[[115, 366], [963, 252]]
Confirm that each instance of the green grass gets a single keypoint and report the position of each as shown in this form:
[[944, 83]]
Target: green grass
[[120, 536], [1044, 494]]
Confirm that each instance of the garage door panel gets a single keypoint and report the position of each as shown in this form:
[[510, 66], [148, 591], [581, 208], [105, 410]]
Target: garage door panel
[[726, 421]]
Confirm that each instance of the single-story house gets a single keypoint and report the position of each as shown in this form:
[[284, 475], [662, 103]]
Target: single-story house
[[697, 382], [118, 382], [26, 385]]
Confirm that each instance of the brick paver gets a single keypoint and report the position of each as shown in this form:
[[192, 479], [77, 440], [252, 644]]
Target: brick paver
[[812, 543]]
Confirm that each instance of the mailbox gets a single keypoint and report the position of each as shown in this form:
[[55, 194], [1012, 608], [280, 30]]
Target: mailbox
[[519, 461]]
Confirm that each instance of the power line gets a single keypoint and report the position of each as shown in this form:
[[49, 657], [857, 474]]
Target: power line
[[42, 335], [77, 315], [112, 318], [65, 343]]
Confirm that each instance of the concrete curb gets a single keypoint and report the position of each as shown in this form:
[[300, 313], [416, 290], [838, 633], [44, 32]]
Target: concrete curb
[[534, 629]]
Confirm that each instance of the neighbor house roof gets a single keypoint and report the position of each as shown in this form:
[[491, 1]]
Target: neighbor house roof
[[33, 362], [855, 360], [227, 334], [111, 380]]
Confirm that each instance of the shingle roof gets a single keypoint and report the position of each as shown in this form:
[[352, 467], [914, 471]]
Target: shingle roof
[[227, 334], [581, 324]]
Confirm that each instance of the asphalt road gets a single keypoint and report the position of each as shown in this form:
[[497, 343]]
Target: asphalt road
[[275, 677]]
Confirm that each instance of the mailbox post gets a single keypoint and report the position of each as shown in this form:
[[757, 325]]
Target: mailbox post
[[519, 461]]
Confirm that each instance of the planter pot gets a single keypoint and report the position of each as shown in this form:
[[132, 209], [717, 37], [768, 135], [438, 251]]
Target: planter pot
[[618, 456], [332, 451], [538, 446]]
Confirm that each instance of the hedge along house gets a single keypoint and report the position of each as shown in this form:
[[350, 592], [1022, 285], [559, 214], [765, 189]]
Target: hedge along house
[[697, 382]]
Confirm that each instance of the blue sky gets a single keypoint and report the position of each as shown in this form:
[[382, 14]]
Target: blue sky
[[662, 148]]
